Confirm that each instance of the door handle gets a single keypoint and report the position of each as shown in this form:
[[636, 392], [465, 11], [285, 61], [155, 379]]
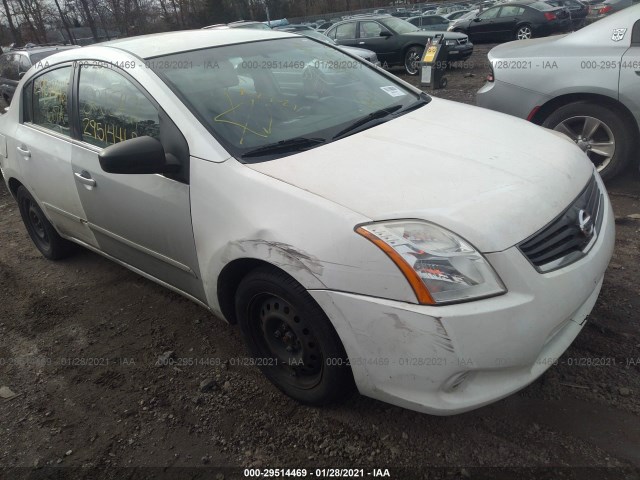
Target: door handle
[[24, 152], [84, 178], [360, 43]]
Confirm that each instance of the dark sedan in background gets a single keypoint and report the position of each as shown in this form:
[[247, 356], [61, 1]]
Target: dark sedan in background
[[578, 11], [396, 41], [15, 63], [518, 20], [430, 22]]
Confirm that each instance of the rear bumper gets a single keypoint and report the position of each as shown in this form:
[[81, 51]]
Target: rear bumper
[[450, 359], [508, 98]]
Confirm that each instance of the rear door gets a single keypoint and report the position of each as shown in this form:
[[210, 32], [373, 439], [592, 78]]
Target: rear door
[[43, 147], [369, 37], [345, 33], [507, 20], [143, 220]]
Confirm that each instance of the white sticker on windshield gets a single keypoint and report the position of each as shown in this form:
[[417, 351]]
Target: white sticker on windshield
[[618, 34], [393, 91]]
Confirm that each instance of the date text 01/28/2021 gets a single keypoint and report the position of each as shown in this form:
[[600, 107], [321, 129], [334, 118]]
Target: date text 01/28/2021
[[316, 473]]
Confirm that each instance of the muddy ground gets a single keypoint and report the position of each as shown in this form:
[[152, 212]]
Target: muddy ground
[[80, 340]]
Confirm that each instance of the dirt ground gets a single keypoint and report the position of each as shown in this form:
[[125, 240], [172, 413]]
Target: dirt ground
[[80, 341]]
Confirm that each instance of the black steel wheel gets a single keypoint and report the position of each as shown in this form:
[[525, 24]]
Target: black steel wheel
[[291, 339], [42, 233]]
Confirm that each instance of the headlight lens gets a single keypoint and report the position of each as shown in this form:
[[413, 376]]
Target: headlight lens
[[440, 266], [450, 42]]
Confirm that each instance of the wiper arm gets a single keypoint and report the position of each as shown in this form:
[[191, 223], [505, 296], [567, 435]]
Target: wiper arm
[[423, 100], [297, 144], [364, 120]]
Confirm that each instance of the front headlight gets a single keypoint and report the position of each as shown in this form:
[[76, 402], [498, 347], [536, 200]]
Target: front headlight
[[450, 42], [440, 266]]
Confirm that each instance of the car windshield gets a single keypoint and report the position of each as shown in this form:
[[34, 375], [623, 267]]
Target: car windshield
[[398, 25], [268, 99]]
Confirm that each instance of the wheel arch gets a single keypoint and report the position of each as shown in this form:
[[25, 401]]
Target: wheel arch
[[232, 274], [14, 185], [560, 101]]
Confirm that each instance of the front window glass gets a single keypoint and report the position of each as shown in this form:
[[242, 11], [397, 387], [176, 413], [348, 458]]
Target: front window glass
[[49, 100], [112, 109], [257, 94], [398, 25]]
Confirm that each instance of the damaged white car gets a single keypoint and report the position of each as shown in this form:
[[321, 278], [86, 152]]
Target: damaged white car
[[353, 227]]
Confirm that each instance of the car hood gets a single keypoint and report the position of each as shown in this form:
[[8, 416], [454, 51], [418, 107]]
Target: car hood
[[490, 177]]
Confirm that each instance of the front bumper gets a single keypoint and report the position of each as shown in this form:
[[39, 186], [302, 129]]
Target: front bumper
[[450, 359], [459, 52]]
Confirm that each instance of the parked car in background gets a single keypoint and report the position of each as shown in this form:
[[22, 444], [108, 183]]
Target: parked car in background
[[323, 26], [396, 41], [430, 22], [519, 20], [590, 92], [333, 217], [455, 15], [577, 9], [293, 27], [462, 21], [368, 55], [17, 61], [603, 9], [241, 24]]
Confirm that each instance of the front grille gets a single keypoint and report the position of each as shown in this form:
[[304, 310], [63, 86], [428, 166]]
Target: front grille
[[570, 236], [462, 41]]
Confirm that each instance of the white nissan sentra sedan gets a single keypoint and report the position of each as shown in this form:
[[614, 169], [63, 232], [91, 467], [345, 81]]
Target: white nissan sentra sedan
[[435, 255]]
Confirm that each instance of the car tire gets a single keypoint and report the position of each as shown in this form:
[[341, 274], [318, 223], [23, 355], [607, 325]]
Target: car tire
[[613, 135], [411, 57], [291, 338], [523, 32], [42, 233]]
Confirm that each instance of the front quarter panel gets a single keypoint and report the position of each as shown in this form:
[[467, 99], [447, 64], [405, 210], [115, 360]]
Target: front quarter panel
[[240, 213]]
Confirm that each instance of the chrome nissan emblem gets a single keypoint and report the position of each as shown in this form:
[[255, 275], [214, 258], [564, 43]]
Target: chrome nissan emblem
[[585, 223]]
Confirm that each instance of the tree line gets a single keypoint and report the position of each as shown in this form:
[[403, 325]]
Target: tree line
[[32, 21]]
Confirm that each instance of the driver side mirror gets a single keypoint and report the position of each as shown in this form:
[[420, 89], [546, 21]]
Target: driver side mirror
[[140, 155], [385, 33]]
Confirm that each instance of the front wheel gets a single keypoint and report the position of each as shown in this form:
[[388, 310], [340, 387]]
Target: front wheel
[[291, 338], [411, 59], [524, 32], [599, 131]]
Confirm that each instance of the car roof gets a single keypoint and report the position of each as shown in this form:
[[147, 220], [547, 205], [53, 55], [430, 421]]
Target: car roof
[[40, 49], [158, 44]]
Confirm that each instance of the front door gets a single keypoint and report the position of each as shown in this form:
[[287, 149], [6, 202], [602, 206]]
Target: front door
[[143, 220]]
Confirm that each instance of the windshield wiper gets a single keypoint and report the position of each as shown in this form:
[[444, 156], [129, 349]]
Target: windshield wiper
[[423, 100], [364, 120], [297, 144]]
